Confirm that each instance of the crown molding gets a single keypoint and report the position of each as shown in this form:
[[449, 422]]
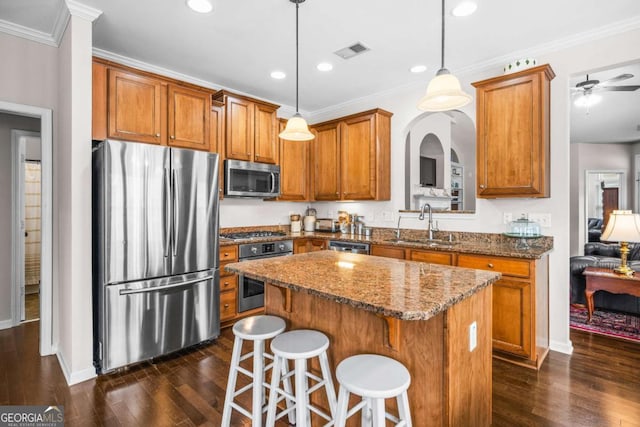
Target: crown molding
[[82, 11], [28, 33]]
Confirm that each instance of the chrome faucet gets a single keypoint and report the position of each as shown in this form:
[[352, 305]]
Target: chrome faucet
[[398, 229], [430, 227]]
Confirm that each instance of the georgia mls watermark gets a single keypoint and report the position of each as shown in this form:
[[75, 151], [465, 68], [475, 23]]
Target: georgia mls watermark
[[31, 416]]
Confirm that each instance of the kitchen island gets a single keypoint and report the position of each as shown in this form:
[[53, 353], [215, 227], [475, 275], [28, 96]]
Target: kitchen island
[[417, 313]]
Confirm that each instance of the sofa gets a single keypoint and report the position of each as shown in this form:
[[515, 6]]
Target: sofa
[[594, 226], [597, 254]]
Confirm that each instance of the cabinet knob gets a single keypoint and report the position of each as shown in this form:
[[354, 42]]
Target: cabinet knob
[[173, 137], [226, 254], [490, 265], [226, 306], [482, 186], [157, 135]]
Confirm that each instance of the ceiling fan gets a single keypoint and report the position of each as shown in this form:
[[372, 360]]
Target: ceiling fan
[[589, 85]]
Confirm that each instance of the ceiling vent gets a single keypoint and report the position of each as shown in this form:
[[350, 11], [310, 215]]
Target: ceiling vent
[[351, 51]]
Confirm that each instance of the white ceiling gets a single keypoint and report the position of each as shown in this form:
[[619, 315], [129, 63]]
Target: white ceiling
[[242, 41]]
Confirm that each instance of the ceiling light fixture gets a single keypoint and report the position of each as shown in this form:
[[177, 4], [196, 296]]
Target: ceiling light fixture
[[200, 6], [443, 92], [587, 100], [278, 75], [324, 66], [465, 8], [418, 69], [297, 128]]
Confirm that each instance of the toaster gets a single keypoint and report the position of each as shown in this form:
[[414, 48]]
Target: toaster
[[328, 225]]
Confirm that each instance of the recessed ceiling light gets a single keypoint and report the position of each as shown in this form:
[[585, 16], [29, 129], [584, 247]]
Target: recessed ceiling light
[[465, 8], [324, 66], [278, 75], [418, 68], [200, 6]]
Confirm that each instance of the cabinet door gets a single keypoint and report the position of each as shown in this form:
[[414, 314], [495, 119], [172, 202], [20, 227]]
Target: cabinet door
[[216, 140], [189, 114], [388, 251], [137, 108], [265, 134], [433, 257], [301, 246], [326, 155], [294, 169], [512, 317], [358, 161], [239, 144], [513, 135], [99, 102]]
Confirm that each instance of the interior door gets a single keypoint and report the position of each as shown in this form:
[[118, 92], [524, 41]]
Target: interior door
[[136, 197], [194, 184]]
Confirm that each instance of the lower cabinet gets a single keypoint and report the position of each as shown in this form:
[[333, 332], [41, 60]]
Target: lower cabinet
[[228, 286], [520, 307], [301, 246], [434, 257], [388, 251]]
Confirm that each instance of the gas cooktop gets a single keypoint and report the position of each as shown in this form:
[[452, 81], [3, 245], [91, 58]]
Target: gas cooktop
[[252, 234]]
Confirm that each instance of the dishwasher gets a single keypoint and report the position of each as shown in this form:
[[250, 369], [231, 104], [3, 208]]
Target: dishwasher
[[353, 247]]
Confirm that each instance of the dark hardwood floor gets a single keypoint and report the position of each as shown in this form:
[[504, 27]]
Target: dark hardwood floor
[[599, 385]]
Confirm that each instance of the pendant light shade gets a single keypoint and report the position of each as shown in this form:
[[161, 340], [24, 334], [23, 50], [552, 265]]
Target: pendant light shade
[[443, 92], [296, 129]]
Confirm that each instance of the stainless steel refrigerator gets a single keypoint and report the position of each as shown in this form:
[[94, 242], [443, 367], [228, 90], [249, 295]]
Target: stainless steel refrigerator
[[155, 251]]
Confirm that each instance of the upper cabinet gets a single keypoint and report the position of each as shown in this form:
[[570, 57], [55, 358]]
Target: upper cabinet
[[513, 134], [295, 176], [351, 157], [138, 106], [251, 128]]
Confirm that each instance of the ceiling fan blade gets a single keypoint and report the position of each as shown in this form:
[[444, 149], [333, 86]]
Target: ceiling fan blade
[[620, 88], [617, 78]]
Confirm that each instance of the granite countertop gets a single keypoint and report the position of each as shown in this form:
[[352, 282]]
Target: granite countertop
[[405, 290], [490, 244]]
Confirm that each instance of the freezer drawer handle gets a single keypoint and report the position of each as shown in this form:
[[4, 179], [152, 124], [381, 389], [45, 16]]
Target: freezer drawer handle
[[163, 288]]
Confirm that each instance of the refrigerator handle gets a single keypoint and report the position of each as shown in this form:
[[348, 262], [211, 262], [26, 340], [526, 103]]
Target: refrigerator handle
[[163, 288], [176, 219], [167, 221]]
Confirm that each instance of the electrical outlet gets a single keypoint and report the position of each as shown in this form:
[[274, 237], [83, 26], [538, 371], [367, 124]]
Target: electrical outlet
[[544, 219], [387, 216], [507, 217], [473, 336]]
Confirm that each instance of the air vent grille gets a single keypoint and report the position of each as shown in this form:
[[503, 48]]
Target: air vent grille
[[351, 51]]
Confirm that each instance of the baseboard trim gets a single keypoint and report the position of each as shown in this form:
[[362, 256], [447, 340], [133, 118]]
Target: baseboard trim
[[561, 346], [75, 377], [6, 324]]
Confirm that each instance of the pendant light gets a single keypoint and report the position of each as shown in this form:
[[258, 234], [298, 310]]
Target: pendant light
[[444, 91], [296, 129]]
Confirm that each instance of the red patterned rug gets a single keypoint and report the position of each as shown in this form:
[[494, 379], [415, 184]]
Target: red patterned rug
[[619, 325]]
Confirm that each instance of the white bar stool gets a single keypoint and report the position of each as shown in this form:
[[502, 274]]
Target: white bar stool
[[374, 378], [300, 346], [256, 329]]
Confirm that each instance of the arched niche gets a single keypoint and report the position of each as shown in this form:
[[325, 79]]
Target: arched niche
[[456, 135]]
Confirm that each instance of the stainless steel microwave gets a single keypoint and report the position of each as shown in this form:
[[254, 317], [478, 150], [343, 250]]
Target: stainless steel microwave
[[250, 179]]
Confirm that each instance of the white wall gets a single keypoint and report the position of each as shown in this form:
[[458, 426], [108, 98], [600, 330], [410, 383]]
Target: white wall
[[7, 123], [73, 184]]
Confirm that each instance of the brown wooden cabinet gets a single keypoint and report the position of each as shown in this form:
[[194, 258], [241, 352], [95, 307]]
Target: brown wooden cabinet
[[513, 134], [136, 108], [351, 157], [216, 135], [135, 105], [433, 257], [388, 251], [189, 112], [228, 286], [294, 168], [520, 307], [301, 246], [251, 128]]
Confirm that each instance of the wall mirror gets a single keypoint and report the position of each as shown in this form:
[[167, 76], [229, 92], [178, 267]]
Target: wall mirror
[[440, 162], [604, 192]]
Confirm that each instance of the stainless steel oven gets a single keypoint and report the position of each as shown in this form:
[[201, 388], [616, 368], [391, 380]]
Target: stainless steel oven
[[251, 291]]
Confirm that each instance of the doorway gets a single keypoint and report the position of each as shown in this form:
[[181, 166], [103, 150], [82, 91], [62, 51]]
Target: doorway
[[11, 315]]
